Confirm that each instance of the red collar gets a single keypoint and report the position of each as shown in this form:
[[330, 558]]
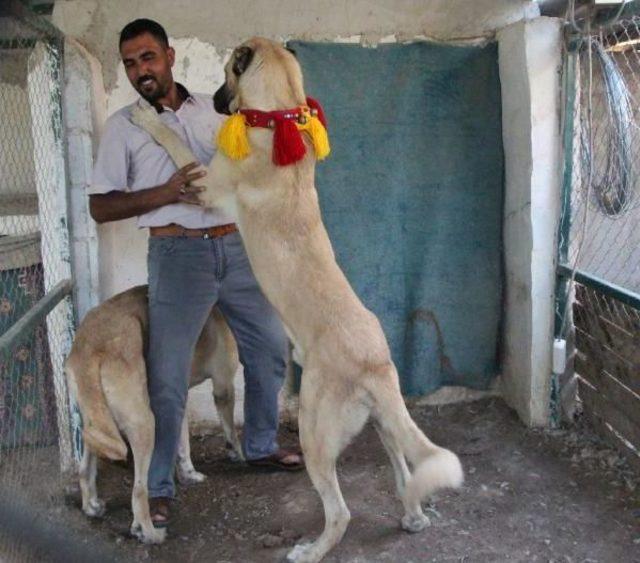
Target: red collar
[[288, 145], [268, 119]]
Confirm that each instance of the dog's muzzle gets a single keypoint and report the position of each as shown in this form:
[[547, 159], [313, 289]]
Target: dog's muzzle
[[221, 99]]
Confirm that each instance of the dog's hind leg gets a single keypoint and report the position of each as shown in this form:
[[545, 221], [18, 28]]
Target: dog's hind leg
[[329, 418], [224, 365], [141, 438], [224, 399], [125, 385], [433, 467], [187, 474], [91, 505], [414, 520], [401, 472]]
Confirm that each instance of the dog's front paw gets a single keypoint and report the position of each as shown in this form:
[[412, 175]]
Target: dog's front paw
[[189, 476], [302, 553], [414, 523], [234, 453], [151, 536], [94, 508], [144, 116]]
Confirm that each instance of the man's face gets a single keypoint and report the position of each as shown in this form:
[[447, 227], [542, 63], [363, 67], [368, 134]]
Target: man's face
[[148, 65]]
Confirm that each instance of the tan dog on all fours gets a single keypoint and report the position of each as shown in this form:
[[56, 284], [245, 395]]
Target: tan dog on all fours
[[267, 183], [108, 377]]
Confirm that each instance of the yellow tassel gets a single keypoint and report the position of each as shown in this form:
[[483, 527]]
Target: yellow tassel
[[319, 137], [232, 137]]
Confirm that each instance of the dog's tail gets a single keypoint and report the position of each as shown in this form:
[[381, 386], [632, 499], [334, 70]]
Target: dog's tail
[[99, 431], [434, 467]]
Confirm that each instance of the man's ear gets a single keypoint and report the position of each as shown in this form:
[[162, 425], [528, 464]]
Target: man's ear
[[242, 59], [171, 54]]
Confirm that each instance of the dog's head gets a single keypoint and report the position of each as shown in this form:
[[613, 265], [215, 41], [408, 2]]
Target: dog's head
[[261, 74]]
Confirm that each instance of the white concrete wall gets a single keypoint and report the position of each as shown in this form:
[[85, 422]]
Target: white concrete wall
[[225, 24], [530, 59]]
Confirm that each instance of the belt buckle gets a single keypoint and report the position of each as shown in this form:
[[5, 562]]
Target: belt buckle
[[206, 236]]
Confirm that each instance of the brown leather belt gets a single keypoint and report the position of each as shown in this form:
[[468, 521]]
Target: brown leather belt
[[174, 230]]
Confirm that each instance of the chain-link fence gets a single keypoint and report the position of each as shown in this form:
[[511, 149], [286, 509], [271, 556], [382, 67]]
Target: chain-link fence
[[35, 311], [605, 206], [600, 231]]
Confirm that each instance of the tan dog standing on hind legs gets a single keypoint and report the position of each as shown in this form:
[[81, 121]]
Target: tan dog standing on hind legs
[[348, 374], [107, 375]]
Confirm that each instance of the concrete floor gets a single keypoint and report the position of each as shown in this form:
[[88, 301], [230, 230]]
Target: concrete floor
[[552, 496]]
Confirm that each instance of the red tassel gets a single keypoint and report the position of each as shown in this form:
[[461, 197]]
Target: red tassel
[[288, 146], [315, 104]]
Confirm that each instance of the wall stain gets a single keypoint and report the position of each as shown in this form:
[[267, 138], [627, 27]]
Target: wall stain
[[426, 315]]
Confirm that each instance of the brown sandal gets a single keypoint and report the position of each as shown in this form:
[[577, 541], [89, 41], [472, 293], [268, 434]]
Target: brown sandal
[[160, 509], [279, 460]]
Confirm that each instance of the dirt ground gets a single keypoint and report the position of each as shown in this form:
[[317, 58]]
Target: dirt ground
[[551, 496]]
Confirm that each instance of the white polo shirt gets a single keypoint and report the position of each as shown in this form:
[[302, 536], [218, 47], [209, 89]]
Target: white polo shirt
[[130, 160]]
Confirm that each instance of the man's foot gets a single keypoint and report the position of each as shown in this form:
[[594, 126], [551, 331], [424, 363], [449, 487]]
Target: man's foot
[[287, 460], [160, 509]]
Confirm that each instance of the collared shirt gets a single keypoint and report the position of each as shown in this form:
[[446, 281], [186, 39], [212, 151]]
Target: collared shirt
[[130, 160]]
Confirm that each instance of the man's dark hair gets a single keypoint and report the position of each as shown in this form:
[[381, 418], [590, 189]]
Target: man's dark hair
[[138, 27]]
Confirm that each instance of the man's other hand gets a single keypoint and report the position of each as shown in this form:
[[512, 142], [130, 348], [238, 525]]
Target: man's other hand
[[180, 184]]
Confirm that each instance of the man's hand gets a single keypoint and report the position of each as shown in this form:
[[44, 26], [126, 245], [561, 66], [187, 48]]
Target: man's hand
[[121, 204], [179, 185]]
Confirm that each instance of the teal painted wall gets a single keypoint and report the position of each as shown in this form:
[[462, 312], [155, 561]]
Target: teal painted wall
[[412, 198]]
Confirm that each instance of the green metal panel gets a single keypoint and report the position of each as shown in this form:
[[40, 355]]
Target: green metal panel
[[603, 286]]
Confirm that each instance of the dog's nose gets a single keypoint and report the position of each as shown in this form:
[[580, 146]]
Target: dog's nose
[[221, 100]]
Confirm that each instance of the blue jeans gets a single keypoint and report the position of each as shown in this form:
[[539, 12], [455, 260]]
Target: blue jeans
[[187, 277]]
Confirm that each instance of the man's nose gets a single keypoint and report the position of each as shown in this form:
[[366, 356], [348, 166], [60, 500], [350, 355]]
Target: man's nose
[[133, 72], [143, 68]]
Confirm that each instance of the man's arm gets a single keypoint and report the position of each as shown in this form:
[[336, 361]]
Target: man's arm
[[117, 205]]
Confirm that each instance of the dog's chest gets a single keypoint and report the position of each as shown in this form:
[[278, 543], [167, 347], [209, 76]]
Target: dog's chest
[[256, 198]]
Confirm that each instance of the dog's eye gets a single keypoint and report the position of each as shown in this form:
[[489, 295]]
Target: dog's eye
[[242, 60]]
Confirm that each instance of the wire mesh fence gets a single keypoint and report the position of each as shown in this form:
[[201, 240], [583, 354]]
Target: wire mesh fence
[[605, 205], [600, 241], [35, 437]]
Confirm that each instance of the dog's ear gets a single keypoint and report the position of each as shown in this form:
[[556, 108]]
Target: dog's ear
[[242, 59], [292, 51]]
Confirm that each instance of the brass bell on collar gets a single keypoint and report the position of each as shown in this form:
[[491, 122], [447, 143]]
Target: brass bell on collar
[[302, 119]]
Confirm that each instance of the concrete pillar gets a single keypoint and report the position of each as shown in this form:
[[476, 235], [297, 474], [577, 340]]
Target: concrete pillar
[[85, 108], [530, 62]]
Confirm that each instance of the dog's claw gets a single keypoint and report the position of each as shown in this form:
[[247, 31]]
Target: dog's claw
[[234, 453], [157, 535], [302, 553], [414, 523], [190, 477], [95, 509]]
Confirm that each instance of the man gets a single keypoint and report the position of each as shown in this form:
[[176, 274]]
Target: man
[[196, 259]]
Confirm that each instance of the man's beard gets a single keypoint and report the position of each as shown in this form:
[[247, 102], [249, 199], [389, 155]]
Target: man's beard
[[153, 91]]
